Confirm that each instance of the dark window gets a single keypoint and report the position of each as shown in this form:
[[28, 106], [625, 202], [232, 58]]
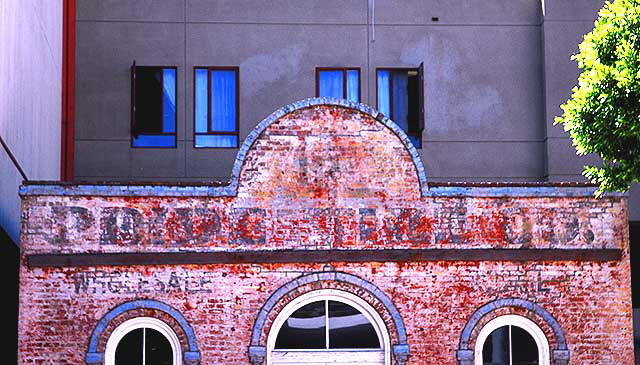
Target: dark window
[[216, 107], [348, 328], [343, 83], [307, 328], [510, 345], [153, 106], [401, 98], [304, 329], [144, 346]]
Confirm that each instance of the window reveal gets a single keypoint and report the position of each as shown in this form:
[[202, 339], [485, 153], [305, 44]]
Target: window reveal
[[216, 107], [342, 83], [153, 106]]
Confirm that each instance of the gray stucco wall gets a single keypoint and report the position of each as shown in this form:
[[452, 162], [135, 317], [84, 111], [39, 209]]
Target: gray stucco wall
[[30, 98], [495, 75]]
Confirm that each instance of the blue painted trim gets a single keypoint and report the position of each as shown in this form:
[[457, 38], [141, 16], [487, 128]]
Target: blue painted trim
[[93, 358], [232, 188], [511, 302], [327, 276], [126, 190], [98, 331], [213, 191], [515, 191]]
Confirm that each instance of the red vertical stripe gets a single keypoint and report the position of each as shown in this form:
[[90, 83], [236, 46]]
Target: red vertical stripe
[[68, 88]]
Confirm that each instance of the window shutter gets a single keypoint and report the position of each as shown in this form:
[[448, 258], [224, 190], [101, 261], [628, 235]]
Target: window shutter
[[421, 97]]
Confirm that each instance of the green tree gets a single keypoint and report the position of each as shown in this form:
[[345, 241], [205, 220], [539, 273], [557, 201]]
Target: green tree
[[603, 113]]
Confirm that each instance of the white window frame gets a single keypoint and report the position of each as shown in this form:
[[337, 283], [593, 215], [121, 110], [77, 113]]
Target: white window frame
[[518, 321], [336, 295], [142, 322]]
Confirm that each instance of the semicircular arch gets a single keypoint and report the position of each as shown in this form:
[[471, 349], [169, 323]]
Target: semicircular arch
[[313, 281], [103, 329], [258, 131]]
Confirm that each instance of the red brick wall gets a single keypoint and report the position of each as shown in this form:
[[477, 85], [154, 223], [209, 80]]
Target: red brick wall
[[590, 301], [318, 178]]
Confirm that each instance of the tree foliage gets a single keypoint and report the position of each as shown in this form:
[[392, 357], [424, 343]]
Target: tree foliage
[[603, 113]]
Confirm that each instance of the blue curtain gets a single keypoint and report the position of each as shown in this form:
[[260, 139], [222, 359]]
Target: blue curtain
[[331, 84], [148, 140], [201, 100], [223, 100], [353, 85], [400, 99], [169, 100], [384, 86], [216, 141]]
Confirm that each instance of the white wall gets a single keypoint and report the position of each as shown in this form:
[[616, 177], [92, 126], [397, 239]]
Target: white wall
[[30, 98]]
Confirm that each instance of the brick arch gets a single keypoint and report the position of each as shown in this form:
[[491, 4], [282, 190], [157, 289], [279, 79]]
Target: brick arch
[[140, 308], [248, 143], [523, 307], [329, 280]]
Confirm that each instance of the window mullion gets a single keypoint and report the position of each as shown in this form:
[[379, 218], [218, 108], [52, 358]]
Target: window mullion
[[391, 96], [144, 341], [326, 322], [344, 83]]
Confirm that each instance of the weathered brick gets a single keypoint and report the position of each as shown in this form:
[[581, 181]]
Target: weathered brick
[[317, 178]]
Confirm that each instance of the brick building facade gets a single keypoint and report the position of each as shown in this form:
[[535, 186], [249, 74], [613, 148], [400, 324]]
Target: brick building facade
[[328, 201]]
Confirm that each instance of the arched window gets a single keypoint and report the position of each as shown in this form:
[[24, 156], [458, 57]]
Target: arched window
[[511, 340], [328, 326], [143, 341]]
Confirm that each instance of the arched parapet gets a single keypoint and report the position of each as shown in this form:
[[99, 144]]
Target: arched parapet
[[501, 307], [141, 308], [365, 290], [250, 140]]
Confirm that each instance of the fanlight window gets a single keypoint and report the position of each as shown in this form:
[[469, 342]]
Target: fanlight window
[[327, 324], [143, 341], [144, 346], [511, 340], [510, 345]]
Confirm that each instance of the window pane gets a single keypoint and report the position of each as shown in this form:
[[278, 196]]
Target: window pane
[[348, 328], [217, 141], [384, 105], [353, 85], [495, 350], [154, 141], [201, 100], [304, 329], [223, 100], [413, 101], [415, 140], [129, 349], [157, 348], [400, 100], [148, 100], [331, 84], [524, 350], [169, 101]]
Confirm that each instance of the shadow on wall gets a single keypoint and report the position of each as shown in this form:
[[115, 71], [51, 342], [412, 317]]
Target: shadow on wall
[[9, 257], [634, 243]]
